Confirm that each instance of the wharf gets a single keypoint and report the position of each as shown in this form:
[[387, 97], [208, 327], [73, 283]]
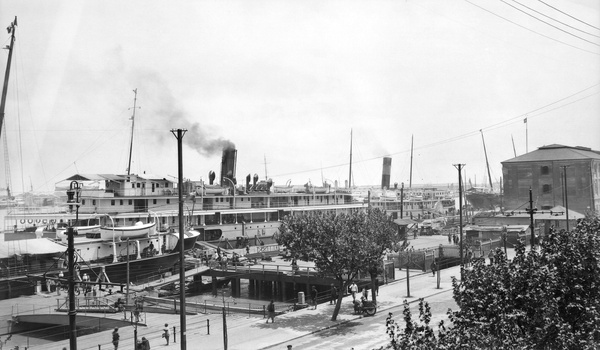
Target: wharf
[[249, 331]]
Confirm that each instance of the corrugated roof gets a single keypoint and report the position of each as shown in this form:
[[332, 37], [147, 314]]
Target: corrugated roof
[[556, 152]]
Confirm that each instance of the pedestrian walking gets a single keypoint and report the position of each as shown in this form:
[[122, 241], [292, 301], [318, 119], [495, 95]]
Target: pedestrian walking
[[491, 256], [166, 333], [271, 312], [334, 295], [145, 344], [433, 267], [313, 296], [449, 238], [115, 338], [353, 290], [365, 293]]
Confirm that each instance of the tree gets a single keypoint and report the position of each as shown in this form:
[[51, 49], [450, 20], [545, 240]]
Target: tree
[[546, 299], [339, 244], [381, 235]]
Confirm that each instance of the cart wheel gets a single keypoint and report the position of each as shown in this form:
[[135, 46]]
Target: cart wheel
[[371, 311]]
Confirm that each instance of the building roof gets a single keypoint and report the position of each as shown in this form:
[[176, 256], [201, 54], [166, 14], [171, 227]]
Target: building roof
[[556, 152], [404, 222], [556, 213]]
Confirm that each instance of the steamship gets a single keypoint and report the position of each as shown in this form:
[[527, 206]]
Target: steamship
[[415, 203], [224, 214]]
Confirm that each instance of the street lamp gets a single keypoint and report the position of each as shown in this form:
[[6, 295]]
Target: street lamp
[[73, 194]]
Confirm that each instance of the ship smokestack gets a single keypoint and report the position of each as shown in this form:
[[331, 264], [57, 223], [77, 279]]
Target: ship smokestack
[[228, 163], [211, 177], [385, 177]]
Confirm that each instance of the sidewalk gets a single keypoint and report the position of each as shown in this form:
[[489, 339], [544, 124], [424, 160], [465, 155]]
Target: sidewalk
[[253, 333]]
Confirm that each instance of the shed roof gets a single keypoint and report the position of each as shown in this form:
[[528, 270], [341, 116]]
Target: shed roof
[[404, 222]]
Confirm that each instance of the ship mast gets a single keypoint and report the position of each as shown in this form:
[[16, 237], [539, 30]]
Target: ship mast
[[132, 125], [266, 175], [11, 30], [350, 171], [487, 164], [411, 159]]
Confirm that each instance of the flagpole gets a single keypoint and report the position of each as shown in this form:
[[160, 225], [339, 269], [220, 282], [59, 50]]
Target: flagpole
[[526, 136]]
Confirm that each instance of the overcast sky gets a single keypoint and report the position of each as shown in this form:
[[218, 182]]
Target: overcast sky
[[287, 81]]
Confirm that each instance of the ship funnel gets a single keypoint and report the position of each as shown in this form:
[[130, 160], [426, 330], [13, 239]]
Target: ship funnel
[[211, 177], [228, 163], [255, 179], [385, 177]]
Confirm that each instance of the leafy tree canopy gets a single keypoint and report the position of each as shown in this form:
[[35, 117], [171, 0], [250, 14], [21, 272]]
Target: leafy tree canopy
[[339, 244], [548, 298]]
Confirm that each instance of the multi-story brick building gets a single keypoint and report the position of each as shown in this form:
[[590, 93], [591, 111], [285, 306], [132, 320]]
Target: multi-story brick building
[[543, 170]]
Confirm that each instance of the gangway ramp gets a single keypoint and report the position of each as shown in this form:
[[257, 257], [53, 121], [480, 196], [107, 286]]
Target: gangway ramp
[[168, 279]]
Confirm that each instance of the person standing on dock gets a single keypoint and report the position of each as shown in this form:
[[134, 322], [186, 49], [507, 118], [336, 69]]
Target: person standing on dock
[[166, 333], [313, 296], [271, 312], [353, 290], [115, 338], [334, 294]]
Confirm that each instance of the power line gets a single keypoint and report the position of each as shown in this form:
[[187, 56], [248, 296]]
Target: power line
[[552, 25], [554, 19], [475, 132], [531, 30], [566, 14]]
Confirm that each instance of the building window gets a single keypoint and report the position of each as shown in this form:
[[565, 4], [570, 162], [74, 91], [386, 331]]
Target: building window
[[546, 188], [154, 201], [83, 202], [120, 202], [93, 202], [130, 202], [545, 170], [132, 185], [112, 202], [168, 201], [138, 185]]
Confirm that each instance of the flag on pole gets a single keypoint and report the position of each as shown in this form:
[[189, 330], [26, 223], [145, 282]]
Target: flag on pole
[[525, 120]]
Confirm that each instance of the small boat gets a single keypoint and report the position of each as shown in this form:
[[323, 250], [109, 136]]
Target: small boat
[[123, 232], [214, 190], [61, 230]]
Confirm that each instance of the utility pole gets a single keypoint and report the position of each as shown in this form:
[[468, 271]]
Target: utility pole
[[566, 194], [408, 274], [72, 199], [179, 135], [531, 210], [460, 205], [401, 201]]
